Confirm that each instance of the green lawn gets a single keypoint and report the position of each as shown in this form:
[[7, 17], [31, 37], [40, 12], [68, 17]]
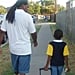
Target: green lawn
[[70, 73], [9, 71], [4, 60]]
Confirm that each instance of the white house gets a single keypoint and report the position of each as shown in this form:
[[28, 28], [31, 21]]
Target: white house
[[70, 4]]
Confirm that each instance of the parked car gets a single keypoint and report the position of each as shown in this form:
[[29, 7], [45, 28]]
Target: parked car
[[35, 18]]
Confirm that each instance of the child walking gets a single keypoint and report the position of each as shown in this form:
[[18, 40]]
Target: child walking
[[57, 53]]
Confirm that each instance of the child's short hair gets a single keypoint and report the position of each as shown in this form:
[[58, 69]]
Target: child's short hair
[[58, 34]]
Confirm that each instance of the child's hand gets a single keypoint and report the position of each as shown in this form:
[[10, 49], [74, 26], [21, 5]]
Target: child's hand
[[67, 69], [46, 68]]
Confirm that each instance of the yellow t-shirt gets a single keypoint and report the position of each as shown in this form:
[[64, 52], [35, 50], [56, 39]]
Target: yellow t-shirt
[[50, 50]]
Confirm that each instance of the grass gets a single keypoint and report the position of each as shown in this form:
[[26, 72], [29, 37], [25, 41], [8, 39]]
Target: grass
[[4, 59], [70, 73], [5, 62], [38, 28], [9, 71], [72, 51]]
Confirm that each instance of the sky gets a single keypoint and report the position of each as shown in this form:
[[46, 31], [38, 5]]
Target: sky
[[8, 3]]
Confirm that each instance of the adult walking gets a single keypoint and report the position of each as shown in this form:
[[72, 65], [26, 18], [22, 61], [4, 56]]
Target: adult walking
[[19, 25]]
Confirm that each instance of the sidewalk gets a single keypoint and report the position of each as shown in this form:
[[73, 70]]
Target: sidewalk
[[39, 57]]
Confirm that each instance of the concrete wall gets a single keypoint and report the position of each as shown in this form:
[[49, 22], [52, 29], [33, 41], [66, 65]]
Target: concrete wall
[[66, 21]]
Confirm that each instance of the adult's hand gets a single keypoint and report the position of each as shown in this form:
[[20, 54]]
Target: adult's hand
[[35, 44]]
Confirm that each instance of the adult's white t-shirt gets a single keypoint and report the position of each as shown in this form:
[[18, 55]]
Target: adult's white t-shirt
[[19, 32]]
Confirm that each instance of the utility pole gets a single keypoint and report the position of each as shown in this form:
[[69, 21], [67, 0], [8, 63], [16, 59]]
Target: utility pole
[[41, 5], [55, 6], [55, 11]]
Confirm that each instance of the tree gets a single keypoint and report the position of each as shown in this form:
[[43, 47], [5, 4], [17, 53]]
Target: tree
[[34, 8], [2, 10], [60, 8], [48, 2], [49, 5], [30, 9]]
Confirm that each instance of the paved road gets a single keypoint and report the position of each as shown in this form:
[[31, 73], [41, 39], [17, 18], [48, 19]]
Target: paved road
[[39, 57]]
